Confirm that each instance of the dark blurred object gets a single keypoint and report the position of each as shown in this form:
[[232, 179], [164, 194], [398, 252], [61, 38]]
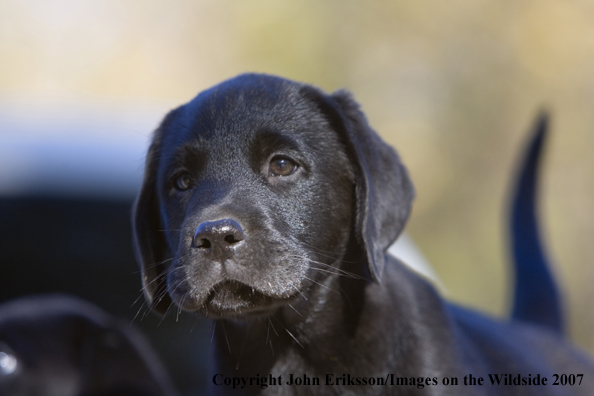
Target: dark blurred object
[[64, 346], [68, 245], [537, 298], [82, 246]]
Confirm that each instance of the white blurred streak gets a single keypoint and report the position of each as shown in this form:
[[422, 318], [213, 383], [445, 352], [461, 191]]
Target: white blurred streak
[[406, 251], [83, 148]]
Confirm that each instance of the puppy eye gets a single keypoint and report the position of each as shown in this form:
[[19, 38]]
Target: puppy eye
[[182, 182], [282, 166]]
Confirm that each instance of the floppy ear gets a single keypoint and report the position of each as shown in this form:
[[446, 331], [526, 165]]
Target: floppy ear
[[384, 191], [150, 246]]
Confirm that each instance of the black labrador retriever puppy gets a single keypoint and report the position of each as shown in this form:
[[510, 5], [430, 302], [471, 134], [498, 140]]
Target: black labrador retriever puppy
[[63, 346], [268, 206]]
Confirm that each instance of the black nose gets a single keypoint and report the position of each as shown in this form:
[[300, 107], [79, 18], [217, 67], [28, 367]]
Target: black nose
[[219, 234]]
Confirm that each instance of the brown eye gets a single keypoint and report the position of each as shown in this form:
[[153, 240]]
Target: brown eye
[[282, 166], [182, 181]]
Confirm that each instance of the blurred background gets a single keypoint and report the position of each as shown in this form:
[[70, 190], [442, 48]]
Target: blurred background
[[454, 86]]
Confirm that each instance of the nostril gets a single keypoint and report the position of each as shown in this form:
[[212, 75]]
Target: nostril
[[231, 239], [202, 243], [224, 233]]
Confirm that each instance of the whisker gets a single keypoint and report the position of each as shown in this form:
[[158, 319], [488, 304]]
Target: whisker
[[295, 310], [158, 263], [295, 338], [273, 329], [226, 338], [137, 299], [317, 249], [164, 315], [243, 346], [337, 272], [155, 264], [143, 305], [268, 333], [298, 291], [194, 324], [322, 252], [322, 285], [289, 333], [162, 278], [329, 268], [170, 230]]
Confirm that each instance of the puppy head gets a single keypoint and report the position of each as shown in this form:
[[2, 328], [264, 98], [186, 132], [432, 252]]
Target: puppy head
[[252, 191]]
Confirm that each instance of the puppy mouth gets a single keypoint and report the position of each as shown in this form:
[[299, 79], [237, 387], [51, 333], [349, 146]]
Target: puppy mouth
[[235, 299]]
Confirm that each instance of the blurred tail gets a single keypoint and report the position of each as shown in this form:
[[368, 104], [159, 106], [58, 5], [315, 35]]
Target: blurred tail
[[536, 298]]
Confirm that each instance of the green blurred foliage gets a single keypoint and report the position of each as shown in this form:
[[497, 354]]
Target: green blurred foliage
[[454, 86]]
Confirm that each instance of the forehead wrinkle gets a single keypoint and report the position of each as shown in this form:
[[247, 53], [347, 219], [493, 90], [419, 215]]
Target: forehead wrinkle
[[225, 157], [246, 100], [234, 100]]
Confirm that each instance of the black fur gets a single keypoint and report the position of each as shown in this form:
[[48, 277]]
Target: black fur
[[294, 271]]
